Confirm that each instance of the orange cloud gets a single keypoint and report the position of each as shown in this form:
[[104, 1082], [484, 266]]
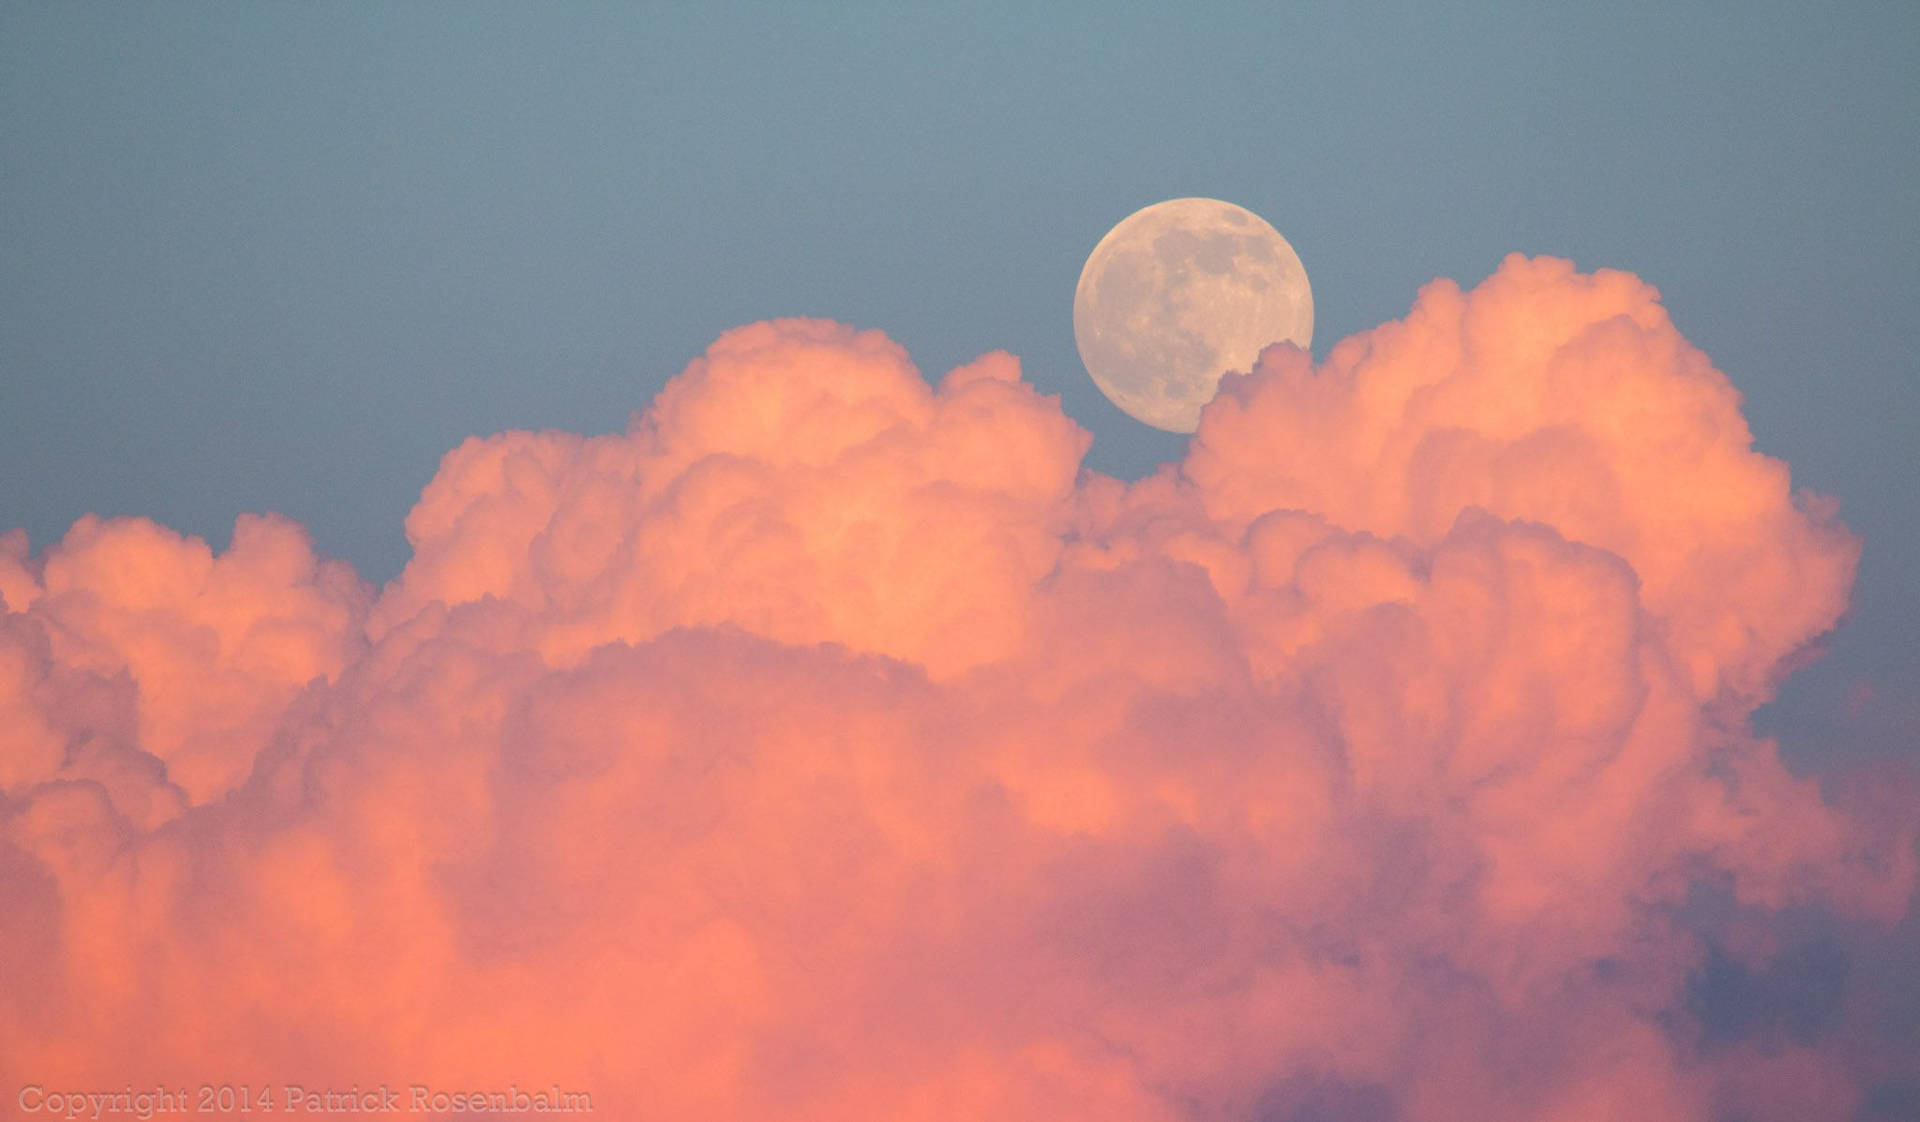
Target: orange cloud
[[832, 746]]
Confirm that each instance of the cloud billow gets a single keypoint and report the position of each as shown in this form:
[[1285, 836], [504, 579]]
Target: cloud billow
[[828, 745]]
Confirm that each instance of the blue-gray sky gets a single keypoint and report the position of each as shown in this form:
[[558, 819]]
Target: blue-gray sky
[[285, 256]]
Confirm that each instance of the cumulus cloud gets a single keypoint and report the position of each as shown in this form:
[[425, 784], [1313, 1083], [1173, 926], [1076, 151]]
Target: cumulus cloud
[[830, 745]]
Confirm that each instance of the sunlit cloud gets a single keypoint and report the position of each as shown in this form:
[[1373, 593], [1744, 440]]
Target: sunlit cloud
[[832, 745]]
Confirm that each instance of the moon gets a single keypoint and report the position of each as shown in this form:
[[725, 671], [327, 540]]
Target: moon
[[1178, 294]]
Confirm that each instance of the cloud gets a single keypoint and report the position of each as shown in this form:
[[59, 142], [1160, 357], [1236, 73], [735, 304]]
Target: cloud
[[828, 745]]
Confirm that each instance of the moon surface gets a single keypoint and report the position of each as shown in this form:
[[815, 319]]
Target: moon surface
[[1178, 294]]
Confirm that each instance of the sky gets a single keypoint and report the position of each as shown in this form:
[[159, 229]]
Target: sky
[[460, 296]]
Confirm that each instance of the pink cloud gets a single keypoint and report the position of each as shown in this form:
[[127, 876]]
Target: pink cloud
[[828, 745]]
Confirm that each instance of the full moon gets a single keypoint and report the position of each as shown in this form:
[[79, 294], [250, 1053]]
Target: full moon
[[1180, 293]]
